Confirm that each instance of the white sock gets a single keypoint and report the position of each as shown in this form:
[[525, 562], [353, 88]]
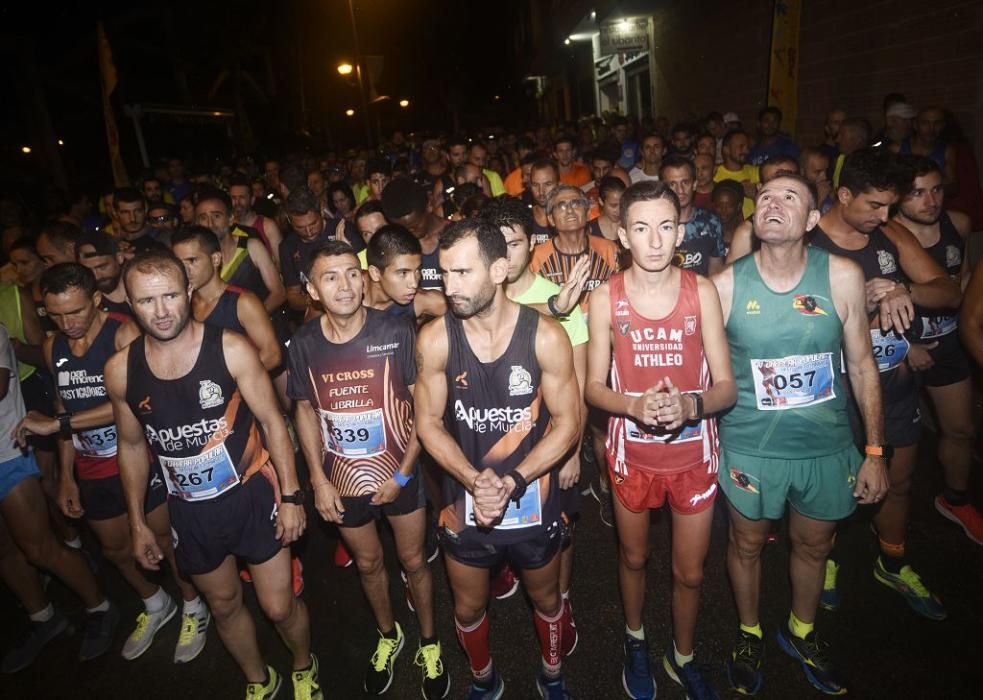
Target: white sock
[[74, 544], [681, 660], [102, 607], [635, 634], [157, 602], [44, 614], [193, 607]]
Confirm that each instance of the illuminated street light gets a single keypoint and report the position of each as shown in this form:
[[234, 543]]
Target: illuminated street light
[[404, 103], [350, 112], [60, 142], [345, 68], [25, 149], [566, 42]]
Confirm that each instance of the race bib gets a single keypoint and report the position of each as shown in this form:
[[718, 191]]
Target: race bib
[[200, 477], [97, 442], [644, 434], [528, 512], [360, 434], [890, 350], [938, 326], [793, 382]]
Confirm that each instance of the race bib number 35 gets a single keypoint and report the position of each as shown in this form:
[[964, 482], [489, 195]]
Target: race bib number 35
[[793, 382], [200, 477], [360, 434], [97, 442]]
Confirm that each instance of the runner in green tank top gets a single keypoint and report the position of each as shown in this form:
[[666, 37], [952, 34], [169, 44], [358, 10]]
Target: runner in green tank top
[[789, 309]]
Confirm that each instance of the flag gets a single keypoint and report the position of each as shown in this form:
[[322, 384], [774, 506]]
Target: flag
[[783, 75], [107, 73]]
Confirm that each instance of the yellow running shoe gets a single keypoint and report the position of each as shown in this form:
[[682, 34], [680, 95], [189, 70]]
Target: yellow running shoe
[[265, 691], [306, 686]]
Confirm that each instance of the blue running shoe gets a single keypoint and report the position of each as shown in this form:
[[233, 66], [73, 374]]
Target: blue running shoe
[[552, 688], [689, 677], [811, 653], [744, 664], [637, 678], [494, 691], [910, 586]]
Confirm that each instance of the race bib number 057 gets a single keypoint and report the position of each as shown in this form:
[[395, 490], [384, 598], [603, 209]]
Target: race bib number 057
[[793, 382]]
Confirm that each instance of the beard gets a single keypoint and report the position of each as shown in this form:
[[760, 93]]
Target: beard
[[107, 285], [466, 307]]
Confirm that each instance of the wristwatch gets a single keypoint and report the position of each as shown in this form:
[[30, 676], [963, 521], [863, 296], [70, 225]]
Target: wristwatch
[[882, 451], [64, 424], [551, 305], [520, 486], [697, 403], [297, 498]]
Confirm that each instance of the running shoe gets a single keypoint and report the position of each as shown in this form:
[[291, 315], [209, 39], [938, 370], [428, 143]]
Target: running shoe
[[636, 677], [811, 653], [689, 676], [342, 559], [29, 647], [965, 516], [494, 689], [744, 664], [379, 675], [410, 603], [436, 680], [505, 584], [97, 636], [552, 688], [570, 636], [191, 640], [829, 599], [910, 586], [265, 691], [306, 686], [148, 624], [603, 498], [297, 574]]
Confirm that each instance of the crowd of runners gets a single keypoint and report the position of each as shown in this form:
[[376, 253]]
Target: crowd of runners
[[465, 337]]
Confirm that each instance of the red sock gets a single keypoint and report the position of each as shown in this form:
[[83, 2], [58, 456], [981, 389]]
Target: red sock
[[474, 639], [550, 632]]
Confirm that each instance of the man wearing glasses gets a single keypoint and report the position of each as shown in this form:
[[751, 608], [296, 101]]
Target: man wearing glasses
[[566, 211], [162, 216]]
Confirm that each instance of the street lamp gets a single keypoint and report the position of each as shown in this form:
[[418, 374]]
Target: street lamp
[[404, 103], [349, 112], [345, 68], [25, 149]]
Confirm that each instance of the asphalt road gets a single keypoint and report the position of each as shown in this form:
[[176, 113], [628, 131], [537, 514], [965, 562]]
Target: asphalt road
[[884, 650]]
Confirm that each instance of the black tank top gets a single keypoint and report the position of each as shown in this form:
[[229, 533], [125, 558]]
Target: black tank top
[[948, 253], [880, 258], [495, 412], [540, 234], [395, 310], [225, 313], [116, 307], [198, 425], [430, 270], [247, 276]]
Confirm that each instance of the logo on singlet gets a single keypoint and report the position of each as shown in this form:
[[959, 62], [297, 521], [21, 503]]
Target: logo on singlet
[[808, 305], [61, 361], [743, 480], [209, 394], [144, 405], [953, 258], [886, 262], [753, 308], [689, 327], [520, 381], [461, 380], [687, 260], [624, 327]]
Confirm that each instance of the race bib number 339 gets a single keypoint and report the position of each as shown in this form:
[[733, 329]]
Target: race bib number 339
[[793, 382]]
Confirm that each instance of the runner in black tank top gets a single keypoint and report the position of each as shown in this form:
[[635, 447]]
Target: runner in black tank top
[[898, 274], [198, 394], [394, 276], [90, 485], [944, 364], [504, 373]]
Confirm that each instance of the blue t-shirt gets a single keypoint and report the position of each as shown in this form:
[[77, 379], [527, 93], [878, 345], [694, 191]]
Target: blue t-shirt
[[783, 146], [629, 155]]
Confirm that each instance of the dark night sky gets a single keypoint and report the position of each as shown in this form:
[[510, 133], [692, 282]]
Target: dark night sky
[[437, 54]]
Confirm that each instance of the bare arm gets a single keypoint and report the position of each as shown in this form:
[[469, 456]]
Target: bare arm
[[596, 390], [429, 302], [931, 287], [297, 298], [255, 319], [724, 282], [847, 284], [971, 316], [723, 393], [270, 274], [274, 237], [740, 243]]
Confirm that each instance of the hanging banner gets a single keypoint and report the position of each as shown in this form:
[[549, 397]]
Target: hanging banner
[[107, 73], [783, 74], [624, 35]]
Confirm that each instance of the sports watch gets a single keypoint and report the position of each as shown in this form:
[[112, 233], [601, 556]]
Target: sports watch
[[297, 498], [882, 451]]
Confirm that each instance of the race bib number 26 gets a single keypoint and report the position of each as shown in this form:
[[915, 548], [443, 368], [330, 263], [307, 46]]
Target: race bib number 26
[[793, 382]]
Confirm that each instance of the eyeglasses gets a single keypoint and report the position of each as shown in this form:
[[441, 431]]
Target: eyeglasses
[[570, 205], [161, 219]]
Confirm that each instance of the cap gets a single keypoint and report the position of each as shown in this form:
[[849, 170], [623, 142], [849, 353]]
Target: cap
[[901, 109], [731, 117]]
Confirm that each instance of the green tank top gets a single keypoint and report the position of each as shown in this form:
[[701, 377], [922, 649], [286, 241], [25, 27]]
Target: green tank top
[[11, 315], [785, 349]]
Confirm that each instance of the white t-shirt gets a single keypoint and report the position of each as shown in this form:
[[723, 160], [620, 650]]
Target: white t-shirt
[[636, 174], [12, 405]]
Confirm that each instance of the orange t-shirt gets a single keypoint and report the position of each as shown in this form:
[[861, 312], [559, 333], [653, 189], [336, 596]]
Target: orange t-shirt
[[513, 182], [578, 176], [555, 266]]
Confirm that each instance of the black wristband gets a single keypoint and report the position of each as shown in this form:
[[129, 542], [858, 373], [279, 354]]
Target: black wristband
[[64, 424], [551, 305], [520, 485]]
